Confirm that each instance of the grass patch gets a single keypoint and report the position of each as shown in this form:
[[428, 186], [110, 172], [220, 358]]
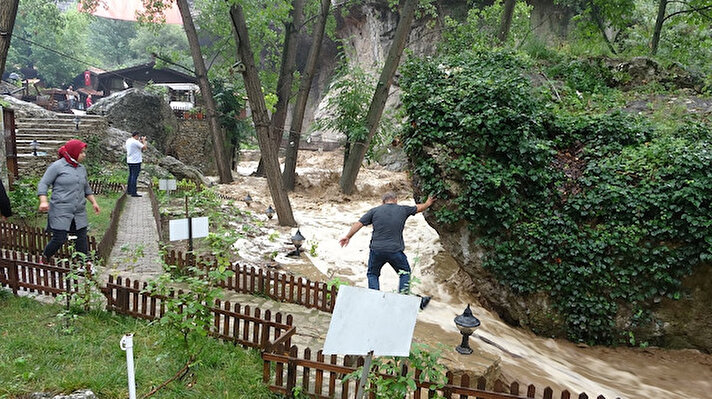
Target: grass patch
[[37, 354], [98, 224]]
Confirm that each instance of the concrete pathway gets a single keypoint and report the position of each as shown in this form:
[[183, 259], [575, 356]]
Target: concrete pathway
[[135, 253]]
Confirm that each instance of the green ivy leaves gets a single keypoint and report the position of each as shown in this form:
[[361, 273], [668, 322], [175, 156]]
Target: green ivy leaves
[[595, 210]]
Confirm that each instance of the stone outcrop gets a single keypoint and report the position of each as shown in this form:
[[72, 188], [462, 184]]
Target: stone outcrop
[[183, 171], [138, 110]]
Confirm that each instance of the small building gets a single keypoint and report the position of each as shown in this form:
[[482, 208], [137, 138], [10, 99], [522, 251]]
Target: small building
[[182, 88]]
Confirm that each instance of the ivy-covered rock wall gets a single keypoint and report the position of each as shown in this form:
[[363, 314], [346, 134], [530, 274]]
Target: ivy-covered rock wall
[[573, 224]]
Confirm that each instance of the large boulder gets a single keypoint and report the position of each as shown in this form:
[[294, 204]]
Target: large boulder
[[183, 171], [24, 109], [112, 149], [138, 110]]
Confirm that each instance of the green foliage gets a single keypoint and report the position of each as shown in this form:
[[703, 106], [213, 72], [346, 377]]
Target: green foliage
[[479, 30], [348, 101], [23, 198], [386, 379], [41, 32], [595, 210]]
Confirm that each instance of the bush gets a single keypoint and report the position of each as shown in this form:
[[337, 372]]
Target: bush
[[594, 210]]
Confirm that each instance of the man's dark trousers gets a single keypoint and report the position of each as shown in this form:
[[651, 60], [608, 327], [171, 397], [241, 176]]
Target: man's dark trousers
[[134, 170]]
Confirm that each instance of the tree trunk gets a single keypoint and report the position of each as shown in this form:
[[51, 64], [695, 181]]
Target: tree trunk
[[300, 104], [596, 15], [260, 118], [505, 22], [662, 6], [373, 117], [8, 12], [218, 136], [286, 76]]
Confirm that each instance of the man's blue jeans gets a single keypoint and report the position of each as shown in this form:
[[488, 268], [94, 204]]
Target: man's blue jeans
[[399, 263], [134, 170]]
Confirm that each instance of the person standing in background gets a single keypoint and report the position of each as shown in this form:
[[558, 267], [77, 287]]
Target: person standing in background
[[89, 101], [134, 157], [5, 208]]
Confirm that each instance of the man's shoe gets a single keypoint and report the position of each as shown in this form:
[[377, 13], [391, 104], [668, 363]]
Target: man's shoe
[[136, 195], [424, 301]]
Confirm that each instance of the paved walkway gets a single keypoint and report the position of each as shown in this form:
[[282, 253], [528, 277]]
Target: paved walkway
[[135, 253]]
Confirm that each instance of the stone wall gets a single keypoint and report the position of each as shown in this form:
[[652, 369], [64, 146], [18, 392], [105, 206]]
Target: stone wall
[[193, 145]]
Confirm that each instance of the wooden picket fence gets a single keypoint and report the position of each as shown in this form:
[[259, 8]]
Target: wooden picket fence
[[101, 187], [321, 377], [24, 272], [231, 322], [275, 285], [32, 240]]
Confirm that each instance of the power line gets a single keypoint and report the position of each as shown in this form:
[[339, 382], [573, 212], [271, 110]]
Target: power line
[[71, 57]]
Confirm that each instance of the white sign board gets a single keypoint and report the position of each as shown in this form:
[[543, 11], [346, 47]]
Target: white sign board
[[367, 320], [179, 228], [164, 184]]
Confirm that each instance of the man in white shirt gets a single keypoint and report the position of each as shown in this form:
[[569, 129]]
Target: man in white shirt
[[134, 156]]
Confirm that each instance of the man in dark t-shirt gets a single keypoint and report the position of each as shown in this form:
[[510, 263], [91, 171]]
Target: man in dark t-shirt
[[387, 245]]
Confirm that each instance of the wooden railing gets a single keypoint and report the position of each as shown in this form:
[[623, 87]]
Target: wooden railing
[[233, 323], [32, 240], [24, 272], [322, 377], [278, 286], [101, 187]]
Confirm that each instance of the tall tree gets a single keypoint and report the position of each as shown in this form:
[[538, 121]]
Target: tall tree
[[286, 75], [260, 118], [8, 12], [300, 104], [218, 136], [352, 164], [506, 22], [655, 42]]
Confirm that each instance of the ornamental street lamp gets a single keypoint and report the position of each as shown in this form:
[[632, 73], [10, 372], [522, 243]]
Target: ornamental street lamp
[[297, 240], [269, 212], [467, 324], [34, 145]]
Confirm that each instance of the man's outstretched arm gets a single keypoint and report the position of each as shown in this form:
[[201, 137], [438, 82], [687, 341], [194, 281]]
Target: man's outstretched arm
[[354, 229], [425, 205]]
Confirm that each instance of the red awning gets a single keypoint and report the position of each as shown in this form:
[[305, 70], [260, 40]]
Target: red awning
[[126, 10]]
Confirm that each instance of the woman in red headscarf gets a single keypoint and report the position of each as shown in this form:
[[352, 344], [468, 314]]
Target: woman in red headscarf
[[70, 190]]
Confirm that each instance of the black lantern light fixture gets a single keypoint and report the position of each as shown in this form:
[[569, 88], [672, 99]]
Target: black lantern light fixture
[[269, 212], [247, 199], [35, 145], [297, 240], [76, 121], [467, 323]]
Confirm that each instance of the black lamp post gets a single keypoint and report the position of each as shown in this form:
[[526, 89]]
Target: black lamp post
[[34, 145], [297, 240], [269, 212], [467, 324], [247, 199], [76, 121]]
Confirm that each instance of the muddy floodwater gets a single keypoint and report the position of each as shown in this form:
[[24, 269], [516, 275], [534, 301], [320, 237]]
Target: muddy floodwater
[[324, 215]]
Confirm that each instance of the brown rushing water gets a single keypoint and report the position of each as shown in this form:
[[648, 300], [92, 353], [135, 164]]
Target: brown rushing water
[[324, 216]]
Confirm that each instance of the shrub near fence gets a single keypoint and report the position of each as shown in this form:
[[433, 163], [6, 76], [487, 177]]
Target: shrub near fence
[[33, 240], [320, 378], [278, 286], [242, 326]]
